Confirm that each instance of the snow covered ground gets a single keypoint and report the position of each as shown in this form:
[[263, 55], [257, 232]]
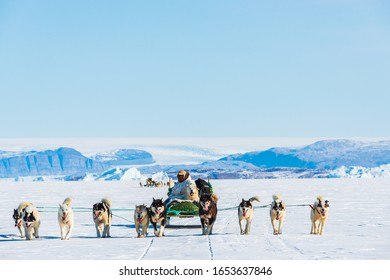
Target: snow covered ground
[[358, 226]]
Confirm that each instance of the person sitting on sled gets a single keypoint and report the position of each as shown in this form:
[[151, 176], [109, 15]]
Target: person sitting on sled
[[179, 189]]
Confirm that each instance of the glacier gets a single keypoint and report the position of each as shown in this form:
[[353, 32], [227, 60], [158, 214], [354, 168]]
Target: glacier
[[124, 157], [62, 161]]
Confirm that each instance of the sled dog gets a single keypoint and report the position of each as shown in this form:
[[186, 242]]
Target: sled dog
[[192, 193], [277, 213], [31, 222], [203, 186], [319, 214], [18, 217], [102, 217], [141, 220], [207, 212], [65, 218], [245, 214], [158, 215]]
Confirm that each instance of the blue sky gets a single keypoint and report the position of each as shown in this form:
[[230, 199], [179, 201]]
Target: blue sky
[[194, 68]]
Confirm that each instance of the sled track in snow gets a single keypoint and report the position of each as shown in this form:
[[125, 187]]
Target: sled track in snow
[[211, 253], [147, 249], [279, 244]]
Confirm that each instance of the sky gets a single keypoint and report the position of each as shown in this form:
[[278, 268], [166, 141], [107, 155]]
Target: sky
[[194, 68]]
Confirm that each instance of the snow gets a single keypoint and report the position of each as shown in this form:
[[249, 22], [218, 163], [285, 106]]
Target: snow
[[357, 229], [358, 226]]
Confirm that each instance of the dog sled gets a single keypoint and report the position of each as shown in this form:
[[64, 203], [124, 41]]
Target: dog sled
[[188, 208]]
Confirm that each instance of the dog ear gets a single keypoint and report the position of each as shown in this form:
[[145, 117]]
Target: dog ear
[[326, 203], [242, 200]]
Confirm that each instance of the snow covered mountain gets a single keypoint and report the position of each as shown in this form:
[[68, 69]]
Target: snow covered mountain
[[326, 154], [323, 159], [124, 157], [62, 161]]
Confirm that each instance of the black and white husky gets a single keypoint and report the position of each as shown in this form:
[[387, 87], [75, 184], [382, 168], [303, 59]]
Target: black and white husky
[[18, 217], [208, 212], [277, 213], [158, 215], [141, 220], [65, 218], [102, 217], [245, 214], [31, 222]]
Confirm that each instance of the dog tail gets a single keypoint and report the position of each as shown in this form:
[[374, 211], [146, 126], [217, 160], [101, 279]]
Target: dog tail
[[277, 197], [107, 201], [68, 201], [320, 198], [255, 198], [23, 205], [214, 198]]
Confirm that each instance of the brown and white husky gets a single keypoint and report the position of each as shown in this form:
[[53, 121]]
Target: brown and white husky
[[141, 220], [208, 212]]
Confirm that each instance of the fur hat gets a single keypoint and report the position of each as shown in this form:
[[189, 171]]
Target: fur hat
[[181, 172]]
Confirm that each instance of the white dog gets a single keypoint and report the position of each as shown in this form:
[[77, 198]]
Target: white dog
[[319, 214], [31, 222], [245, 214], [18, 217], [277, 213], [192, 193], [65, 218]]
